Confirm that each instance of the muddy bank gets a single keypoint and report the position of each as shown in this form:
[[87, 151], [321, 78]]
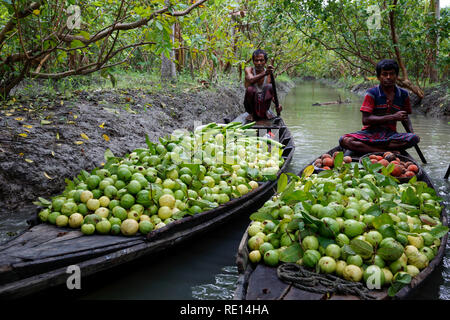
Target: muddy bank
[[44, 141], [436, 102]]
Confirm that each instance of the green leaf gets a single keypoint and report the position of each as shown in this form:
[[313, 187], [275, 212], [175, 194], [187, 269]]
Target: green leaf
[[296, 196], [325, 174], [439, 231], [309, 170], [338, 160], [374, 210], [381, 220], [202, 203], [292, 253], [410, 197], [282, 183], [261, 216], [363, 248], [45, 202]]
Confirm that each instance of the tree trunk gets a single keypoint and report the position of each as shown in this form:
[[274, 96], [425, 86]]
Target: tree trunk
[[405, 82], [434, 39], [168, 67]]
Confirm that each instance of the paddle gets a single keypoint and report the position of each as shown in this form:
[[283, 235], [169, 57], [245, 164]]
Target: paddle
[[272, 80], [415, 146], [447, 173]]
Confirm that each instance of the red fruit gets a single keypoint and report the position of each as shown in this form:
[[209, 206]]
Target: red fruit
[[347, 159], [326, 168], [384, 162], [328, 162], [409, 174], [413, 168], [325, 155], [397, 171]]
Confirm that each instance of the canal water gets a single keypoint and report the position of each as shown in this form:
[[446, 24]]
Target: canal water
[[204, 268]]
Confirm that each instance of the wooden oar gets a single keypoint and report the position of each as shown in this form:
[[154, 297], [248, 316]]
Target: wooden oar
[[447, 173], [416, 146], [272, 80]]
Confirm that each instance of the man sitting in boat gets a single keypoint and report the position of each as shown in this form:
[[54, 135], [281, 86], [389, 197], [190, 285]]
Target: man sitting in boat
[[258, 88], [382, 107]]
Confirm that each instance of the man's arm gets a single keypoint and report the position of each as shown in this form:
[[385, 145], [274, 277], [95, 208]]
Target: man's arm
[[251, 79], [370, 119]]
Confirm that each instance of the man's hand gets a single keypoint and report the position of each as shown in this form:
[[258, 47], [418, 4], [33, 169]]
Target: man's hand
[[400, 116], [269, 69], [278, 110]]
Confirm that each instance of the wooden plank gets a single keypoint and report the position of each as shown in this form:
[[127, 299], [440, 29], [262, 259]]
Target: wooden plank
[[265, 285]]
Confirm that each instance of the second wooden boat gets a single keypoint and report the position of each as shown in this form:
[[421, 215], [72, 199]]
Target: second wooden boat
[[261, 282]]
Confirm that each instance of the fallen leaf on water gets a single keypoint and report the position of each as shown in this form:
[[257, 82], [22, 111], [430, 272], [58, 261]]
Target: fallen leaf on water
[[53, 153], [8, 114], [23, 135], [47, 176], [44, 122], [102, 125], [62, 102], [79, 142], [27, 126], [27, 130], [29, 161], [21, 154], [105, 137], [102, 164], [75, 116], [18, 119], [84, 136], [71, 122], [57, 135]]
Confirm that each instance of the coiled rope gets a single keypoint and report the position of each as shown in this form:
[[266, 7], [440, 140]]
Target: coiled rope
[[304, 279]]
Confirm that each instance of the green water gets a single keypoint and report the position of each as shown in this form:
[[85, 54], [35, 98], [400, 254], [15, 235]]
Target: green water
[[204, 268]]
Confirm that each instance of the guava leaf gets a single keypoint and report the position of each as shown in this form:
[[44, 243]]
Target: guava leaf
[[325, 242], [309, 170], [179, 214], [44, 202], [282, 183], [439, 231], [386, 171], [202, 203], [410, 197], [401, 280], [253, 172], [381, 220], [293, 176], [293, 225], [292, 253], [288, 190], [296, 196], [385, 205], [390, 254], [356, 170], [328, 187], [373, 187], [108, 154], [261, 216], [307, 185], [338, 160], [363, 248], [84, 174], [348, 250], [325, 174], [374, 210]]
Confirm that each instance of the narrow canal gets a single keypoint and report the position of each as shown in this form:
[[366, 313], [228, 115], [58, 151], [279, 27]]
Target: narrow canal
[[204, 268]]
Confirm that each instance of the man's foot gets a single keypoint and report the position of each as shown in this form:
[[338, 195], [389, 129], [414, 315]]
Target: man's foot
[[249, 118], [269, 116]]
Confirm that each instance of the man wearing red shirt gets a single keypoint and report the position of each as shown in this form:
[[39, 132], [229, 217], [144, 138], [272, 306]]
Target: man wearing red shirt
[[383, 106]]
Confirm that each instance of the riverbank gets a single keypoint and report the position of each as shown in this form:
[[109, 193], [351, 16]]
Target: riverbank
[[46, 140], [436, 102]]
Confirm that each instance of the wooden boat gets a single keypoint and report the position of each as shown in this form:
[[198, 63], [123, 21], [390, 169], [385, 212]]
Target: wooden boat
[[261, 282], [39, 257]]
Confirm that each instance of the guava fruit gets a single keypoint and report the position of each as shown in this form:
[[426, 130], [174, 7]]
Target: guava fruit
[[254, 256], [333, 250], [352, 273], [129, 227], [103, 227], [353, 228], [340, 266], [62, 220], [310, 243], [271, 258], [88, 229], [311, 258], [327, 264], [92, 219], [266, 246], [145, 226], [374, 277], [75, 220], [329, 228]]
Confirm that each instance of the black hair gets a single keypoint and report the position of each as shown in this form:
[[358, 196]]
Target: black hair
[[387, 64], [257, 52]]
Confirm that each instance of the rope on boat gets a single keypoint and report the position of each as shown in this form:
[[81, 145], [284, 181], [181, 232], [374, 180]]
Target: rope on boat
[[310, 281]]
